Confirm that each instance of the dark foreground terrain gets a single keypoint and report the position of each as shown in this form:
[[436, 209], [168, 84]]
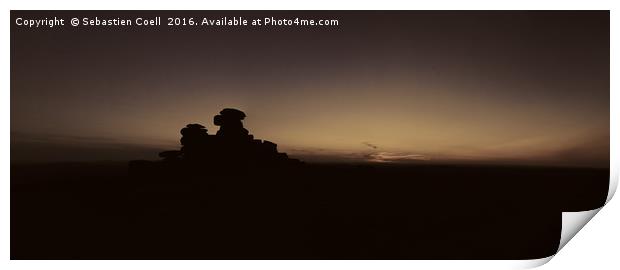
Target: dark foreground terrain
[[101, 211]]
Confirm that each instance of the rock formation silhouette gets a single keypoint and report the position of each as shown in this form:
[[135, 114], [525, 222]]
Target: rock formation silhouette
[[231, 146]]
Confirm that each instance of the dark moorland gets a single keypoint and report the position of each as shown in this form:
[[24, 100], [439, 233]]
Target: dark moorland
[[97, 211]]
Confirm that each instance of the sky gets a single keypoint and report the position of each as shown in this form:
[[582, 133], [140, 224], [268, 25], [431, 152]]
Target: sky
[[512, 87]]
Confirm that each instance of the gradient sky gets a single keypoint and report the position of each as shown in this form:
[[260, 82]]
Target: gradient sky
[[514, 87]]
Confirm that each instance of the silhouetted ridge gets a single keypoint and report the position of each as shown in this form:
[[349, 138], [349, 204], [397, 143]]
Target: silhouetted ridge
[[232, 145]]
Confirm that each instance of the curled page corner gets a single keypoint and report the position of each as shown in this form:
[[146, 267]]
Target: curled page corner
[[534, 263], [613, 182], [573, 222]]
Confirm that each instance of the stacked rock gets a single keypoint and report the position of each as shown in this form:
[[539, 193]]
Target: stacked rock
[[231, 127], [195, 140]]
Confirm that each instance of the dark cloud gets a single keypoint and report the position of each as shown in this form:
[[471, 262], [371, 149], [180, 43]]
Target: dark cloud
[[396, 157], [370, 145]]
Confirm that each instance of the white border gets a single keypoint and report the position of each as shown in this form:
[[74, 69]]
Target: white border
[[594, 249]]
